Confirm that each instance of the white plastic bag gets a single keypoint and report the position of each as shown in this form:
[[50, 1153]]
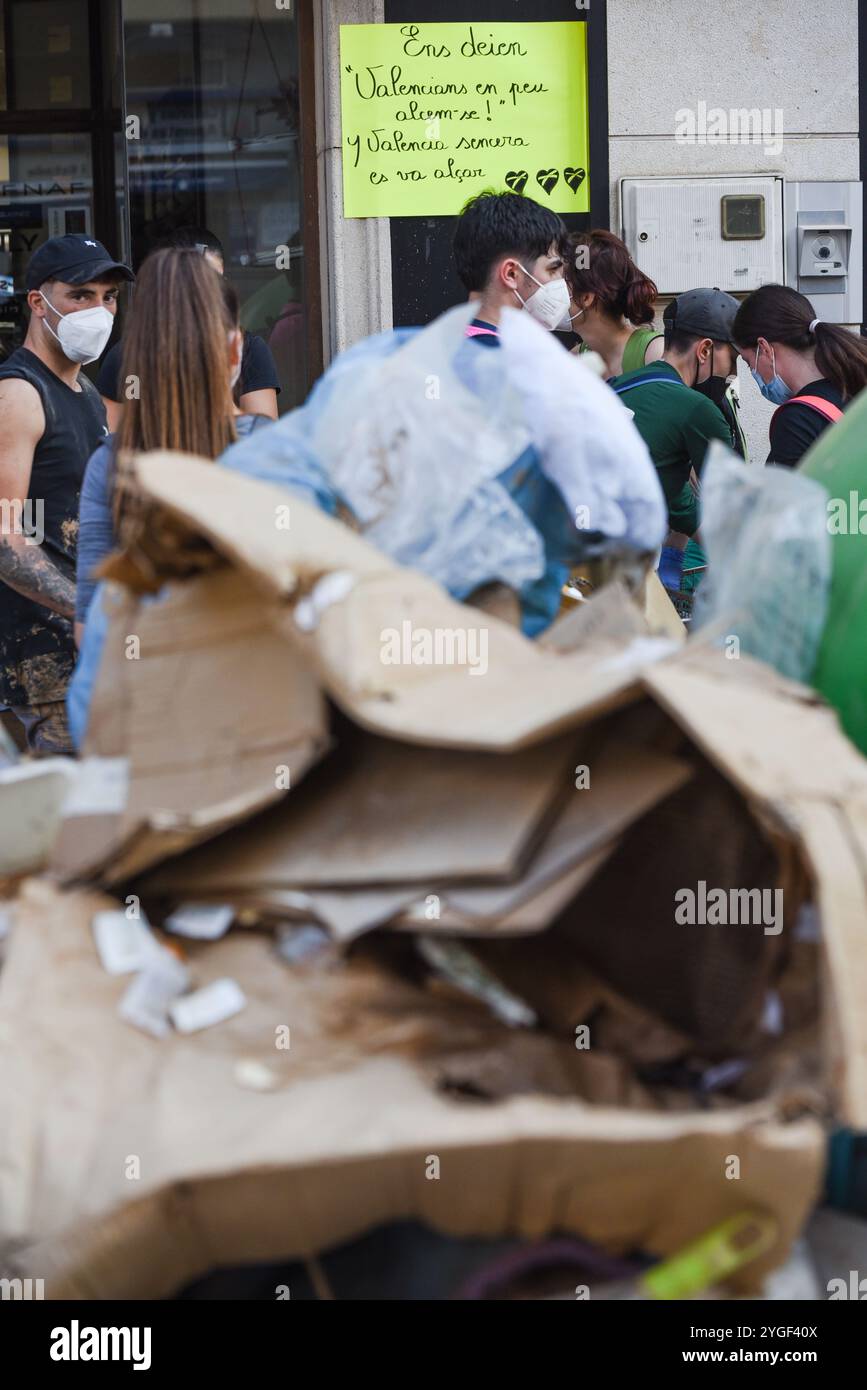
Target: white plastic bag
[[415, 451]]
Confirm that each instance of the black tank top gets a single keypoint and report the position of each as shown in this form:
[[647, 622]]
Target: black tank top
[[74, 425]]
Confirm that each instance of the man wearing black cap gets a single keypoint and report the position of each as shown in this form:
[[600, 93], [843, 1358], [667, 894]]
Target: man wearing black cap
[[51, 420], [678, 423]]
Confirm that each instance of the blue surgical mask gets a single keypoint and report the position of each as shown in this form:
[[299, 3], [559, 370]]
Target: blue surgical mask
[[776, 391]]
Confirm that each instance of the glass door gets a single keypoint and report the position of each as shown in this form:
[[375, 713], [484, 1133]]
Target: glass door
[[60, 137], [217, 120]]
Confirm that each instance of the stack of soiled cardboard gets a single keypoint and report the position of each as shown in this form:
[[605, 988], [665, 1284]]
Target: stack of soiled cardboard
[[471, 906]]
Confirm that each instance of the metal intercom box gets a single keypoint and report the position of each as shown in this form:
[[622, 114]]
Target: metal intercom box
[[742, 231], [724, 231], [825, 246]]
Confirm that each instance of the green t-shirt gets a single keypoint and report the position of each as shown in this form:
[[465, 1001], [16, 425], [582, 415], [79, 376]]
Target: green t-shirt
[[677, 425]]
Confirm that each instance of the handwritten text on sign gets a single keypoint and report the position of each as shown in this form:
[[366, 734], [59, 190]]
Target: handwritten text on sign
[[433, 113]]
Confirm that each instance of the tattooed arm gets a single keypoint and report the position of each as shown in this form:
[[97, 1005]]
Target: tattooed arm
[[23, 566]]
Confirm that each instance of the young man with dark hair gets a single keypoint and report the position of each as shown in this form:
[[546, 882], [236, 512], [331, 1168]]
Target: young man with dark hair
[[510, 253], [51, 420], [678, 423], [258, 382]]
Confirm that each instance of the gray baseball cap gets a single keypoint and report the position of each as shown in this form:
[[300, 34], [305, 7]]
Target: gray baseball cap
[[706, 313]]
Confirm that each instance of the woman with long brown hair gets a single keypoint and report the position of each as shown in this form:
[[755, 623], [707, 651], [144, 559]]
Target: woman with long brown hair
[[808, 368], [612, 302], [181, 357]]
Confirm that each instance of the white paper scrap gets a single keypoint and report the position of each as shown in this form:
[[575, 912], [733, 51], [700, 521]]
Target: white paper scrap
[[124, 943], [202, 921], [213, 1003], [146, 1003]]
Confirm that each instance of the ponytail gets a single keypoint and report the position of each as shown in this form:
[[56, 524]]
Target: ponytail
[[640, 296], [841, 358], [782, 315]]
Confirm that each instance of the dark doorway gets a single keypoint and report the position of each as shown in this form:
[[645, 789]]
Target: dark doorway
[[61, 154], [218, 105]]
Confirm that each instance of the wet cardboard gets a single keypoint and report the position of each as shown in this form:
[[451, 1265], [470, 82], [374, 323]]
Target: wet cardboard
[[383, 812], [524, 695], [230, 1175], [215, 704]]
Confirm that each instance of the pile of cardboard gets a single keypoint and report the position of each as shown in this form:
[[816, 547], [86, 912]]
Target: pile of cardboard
[[453, 898]]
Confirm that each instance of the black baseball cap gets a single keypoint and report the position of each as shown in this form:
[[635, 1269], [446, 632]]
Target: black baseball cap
[[74, 259], [706, 313]]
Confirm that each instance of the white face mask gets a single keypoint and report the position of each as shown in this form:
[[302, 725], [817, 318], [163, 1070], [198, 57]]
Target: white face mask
[[566, 322], [82, 333], [549, 303]]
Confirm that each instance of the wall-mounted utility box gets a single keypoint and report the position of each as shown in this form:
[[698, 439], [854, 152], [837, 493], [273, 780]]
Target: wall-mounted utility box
[[688, 232], [825, 246]]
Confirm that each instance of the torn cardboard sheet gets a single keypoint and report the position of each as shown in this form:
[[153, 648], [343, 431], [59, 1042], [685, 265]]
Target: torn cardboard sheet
[[232, 1173], [220, 716], [626, 781], [389, 813], [402, 658], [771, 737], [533, 914], [835, 841], [350, 912], [282, 543], [395, 652]]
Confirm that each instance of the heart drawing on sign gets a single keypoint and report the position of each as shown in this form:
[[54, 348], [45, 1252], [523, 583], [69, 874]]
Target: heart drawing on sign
[[574, 177], [517, 179], [547, 178]]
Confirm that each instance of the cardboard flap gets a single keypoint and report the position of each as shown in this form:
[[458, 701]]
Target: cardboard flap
[[230, 1173], [398, 654], [772, 737], [835, 839], [398, 813], [279, 540], [220, 717], [784, 748]]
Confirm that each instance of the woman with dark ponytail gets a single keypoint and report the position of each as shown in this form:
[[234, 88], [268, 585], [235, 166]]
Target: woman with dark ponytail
[[808, 368], [612, 303]]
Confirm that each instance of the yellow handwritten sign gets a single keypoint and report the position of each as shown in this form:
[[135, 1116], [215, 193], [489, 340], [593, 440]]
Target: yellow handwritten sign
[[434, 113]]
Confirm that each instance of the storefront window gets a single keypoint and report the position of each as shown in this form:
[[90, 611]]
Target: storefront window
[[48, 61], [60, 122], [213, 141]]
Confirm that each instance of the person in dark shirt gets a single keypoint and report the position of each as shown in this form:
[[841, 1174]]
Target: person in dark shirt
[[258, 385], [510, 253], [51, 419], [808, 368], [675, 412]]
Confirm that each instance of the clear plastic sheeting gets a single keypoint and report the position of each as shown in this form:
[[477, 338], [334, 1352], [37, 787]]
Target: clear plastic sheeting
[[769, 557], [415, 451], [584, 437], [414, 434]]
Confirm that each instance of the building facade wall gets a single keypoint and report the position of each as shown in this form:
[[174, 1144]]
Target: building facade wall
[[674, 53]]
